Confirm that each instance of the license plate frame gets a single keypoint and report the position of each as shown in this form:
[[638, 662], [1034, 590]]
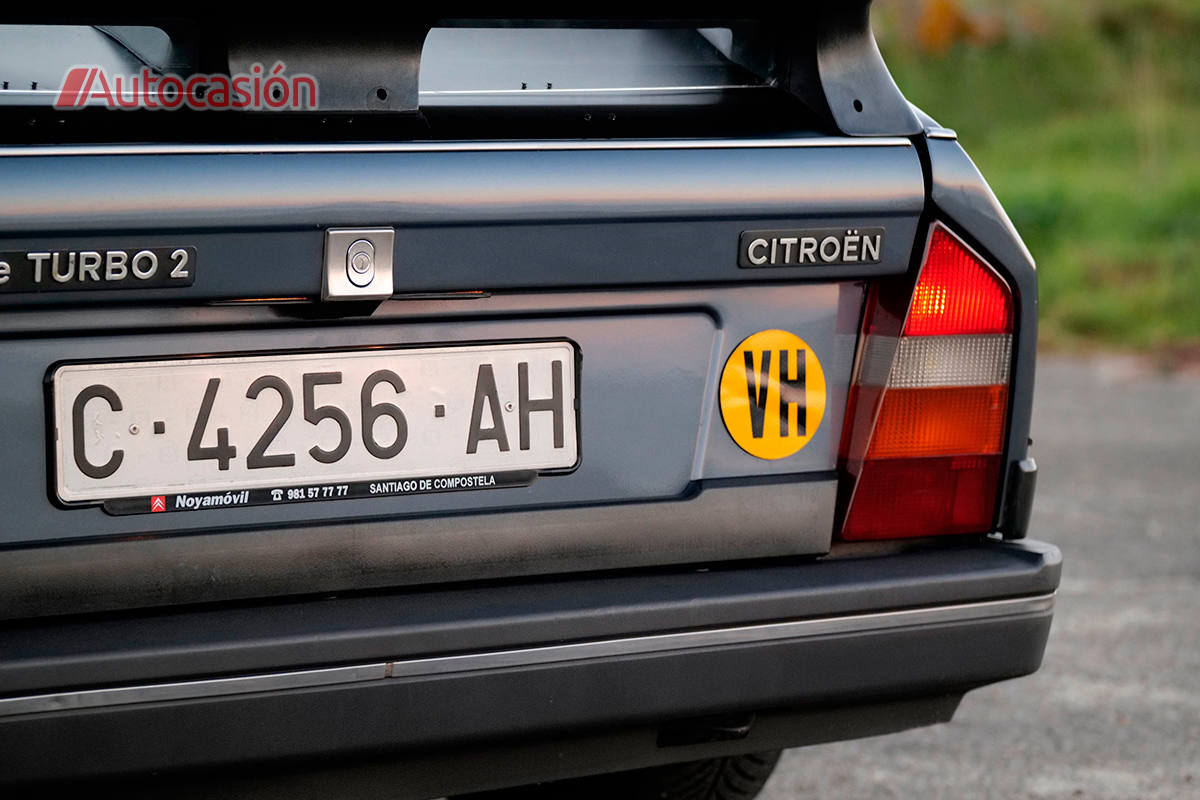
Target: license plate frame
[[63, 383]]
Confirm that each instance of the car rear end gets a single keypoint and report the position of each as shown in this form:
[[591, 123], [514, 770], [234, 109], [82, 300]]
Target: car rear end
[[615, 393]]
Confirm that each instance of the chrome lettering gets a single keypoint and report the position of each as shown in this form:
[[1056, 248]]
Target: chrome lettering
[[815, 246], [787, 248], [808, 249], [759, 243], [115, 265], [38, 259], [149, 258], [829, 256], [871, 246], [62, 277], [89, 266]]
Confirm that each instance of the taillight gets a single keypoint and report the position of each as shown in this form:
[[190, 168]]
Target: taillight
[[927, 411]]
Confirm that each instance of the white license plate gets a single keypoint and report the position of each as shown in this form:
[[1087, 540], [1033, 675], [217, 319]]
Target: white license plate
[[347, 423]]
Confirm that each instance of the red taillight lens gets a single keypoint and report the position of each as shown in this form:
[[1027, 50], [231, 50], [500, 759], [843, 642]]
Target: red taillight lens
[[904, 497], [957, 294], [927, 412]]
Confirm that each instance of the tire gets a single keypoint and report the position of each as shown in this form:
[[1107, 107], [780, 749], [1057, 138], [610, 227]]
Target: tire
[[730, 778]]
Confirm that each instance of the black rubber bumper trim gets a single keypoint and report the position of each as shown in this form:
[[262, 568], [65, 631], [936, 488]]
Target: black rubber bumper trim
[[452, 710], [47, 655], [928, 653], [593, 650]]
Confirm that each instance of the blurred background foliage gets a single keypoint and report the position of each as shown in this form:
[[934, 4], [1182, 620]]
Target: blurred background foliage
[[1085, 118]]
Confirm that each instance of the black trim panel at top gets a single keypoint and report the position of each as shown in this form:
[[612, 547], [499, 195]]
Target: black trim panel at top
[[822, 54]]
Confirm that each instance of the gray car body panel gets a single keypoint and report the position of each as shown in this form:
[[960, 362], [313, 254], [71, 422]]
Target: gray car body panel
[[259, 256], [482, 216], [488, 219], [631, 393]]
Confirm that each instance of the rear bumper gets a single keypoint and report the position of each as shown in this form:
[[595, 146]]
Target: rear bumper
[[440, 672]]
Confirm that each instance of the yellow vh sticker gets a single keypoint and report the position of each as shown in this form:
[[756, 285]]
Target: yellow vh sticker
[[772, 394]]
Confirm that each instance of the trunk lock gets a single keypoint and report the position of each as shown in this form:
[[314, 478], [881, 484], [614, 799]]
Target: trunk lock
[[358, 264]]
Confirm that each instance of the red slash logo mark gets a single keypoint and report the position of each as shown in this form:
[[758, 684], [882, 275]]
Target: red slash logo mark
[[158, 503], [76, 86]]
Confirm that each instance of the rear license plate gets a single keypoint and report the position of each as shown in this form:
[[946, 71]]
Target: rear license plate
[[262, 428]]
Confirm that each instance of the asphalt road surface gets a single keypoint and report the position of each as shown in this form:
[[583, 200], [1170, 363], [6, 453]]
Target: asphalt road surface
[[1114, 711]]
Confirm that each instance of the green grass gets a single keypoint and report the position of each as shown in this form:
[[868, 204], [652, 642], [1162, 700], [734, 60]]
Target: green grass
[[1089, 132]]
